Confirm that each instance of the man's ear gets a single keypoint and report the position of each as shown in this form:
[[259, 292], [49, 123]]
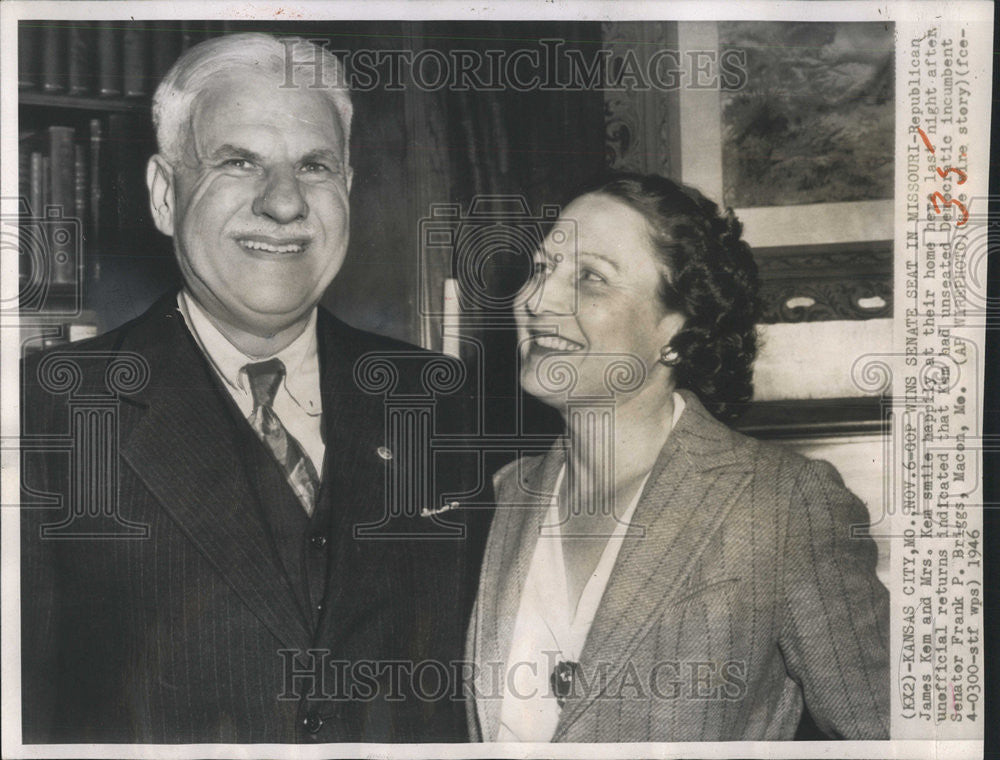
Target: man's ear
[[160, 182], [350, 178]]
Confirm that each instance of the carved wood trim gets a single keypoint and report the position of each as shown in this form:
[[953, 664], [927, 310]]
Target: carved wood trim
[[824, 282]]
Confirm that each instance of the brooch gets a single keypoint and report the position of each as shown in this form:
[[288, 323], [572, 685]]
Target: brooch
[[562, 679], [428, 512]]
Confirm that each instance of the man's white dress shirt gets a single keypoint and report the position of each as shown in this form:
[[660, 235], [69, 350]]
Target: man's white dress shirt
[[297, 402], [546, 630]]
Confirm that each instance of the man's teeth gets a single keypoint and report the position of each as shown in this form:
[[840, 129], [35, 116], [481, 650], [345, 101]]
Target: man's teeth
[[256, 245], [556, 343]]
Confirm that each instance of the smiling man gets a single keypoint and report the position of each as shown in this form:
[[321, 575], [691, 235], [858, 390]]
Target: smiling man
[[226, 598]]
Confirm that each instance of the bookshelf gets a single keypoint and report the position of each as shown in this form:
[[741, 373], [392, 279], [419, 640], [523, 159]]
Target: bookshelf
[[82, 103], [88, 245]]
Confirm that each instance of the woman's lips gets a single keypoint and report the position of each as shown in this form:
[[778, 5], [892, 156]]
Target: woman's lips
[[551, 342]]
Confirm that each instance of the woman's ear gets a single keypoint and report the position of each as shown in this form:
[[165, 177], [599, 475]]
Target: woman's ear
[[160, 182], [669, 326]]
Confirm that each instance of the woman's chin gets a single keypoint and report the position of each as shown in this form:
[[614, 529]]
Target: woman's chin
[[531, 385]]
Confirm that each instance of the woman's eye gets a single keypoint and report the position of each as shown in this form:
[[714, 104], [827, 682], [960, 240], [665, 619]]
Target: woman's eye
[[589, 275], [541, 269]]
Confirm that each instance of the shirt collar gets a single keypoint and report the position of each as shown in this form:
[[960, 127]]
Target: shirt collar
[[300, 357]]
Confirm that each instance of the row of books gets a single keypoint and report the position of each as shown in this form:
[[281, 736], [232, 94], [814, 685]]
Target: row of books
[[62, 179], [106, 59]]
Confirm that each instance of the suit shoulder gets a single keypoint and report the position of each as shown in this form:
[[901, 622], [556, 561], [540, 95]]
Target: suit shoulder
[[779, 471], [136, 334], [784, 472], [364, 341], [506, 478]]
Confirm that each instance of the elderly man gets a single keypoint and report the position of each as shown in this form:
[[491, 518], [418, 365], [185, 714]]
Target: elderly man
[[233, 595]]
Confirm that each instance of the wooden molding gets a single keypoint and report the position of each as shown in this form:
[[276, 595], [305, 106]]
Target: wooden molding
[[815, 418]]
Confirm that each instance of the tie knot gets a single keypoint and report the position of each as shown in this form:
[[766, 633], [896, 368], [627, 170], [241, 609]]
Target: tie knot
[[265, 377]]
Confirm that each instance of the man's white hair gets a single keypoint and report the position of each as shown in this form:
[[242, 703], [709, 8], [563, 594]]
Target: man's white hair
[[291, 61]]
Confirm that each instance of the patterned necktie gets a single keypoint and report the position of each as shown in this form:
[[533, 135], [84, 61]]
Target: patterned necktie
[[265, 379]]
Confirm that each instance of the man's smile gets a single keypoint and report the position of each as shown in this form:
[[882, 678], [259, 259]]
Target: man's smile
[[265, 244]]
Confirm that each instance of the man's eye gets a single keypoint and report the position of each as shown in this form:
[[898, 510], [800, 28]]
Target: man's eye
[[237, 163], [315, 167], [589, 275]]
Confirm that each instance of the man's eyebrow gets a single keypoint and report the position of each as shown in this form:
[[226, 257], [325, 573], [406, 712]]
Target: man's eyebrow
[[228, 149], [323, 153]]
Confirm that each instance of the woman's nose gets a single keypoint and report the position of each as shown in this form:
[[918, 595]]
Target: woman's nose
[[281, 198], [552, 293]]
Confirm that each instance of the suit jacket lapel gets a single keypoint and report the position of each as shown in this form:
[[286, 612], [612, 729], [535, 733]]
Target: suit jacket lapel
[[511, 545], [184, 447], [690, 490], [354, 429]]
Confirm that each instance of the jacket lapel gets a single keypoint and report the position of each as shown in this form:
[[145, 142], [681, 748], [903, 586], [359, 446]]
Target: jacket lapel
[[353, 424], [691, 488], [511, 545], [184, 447]]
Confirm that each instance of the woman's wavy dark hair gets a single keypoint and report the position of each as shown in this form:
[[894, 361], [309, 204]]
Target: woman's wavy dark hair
[[711, 278]]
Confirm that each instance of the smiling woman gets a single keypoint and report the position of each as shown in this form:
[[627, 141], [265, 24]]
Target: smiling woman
[[652, 535], [593, 297]]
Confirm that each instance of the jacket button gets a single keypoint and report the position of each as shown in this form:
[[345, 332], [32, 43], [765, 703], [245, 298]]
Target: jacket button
[[318, 540], [312, 722]]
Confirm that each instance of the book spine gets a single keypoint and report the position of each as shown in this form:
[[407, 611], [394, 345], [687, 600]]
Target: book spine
[[54, 59], [117, 185], [62, 157], [24, 169], [109, 61], [80, 186], [135, 74], [166, 50], [37, 202], [46, 186], [192, 32], [28, 47], [96, 176], [81, 58]]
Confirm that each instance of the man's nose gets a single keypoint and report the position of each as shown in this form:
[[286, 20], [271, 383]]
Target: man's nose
[[281, 198]]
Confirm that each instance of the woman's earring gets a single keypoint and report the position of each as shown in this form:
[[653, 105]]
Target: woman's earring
[[669, 356]]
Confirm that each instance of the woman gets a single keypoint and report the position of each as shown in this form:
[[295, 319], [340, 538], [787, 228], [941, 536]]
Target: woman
[[657, 576]]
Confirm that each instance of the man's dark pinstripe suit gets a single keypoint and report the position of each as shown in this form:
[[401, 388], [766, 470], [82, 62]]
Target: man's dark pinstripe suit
[[176, 638]]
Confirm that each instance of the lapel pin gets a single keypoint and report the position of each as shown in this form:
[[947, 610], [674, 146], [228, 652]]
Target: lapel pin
[[383, 452], [428, 512]]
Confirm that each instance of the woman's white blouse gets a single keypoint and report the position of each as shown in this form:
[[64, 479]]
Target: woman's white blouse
[[546, 630]]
